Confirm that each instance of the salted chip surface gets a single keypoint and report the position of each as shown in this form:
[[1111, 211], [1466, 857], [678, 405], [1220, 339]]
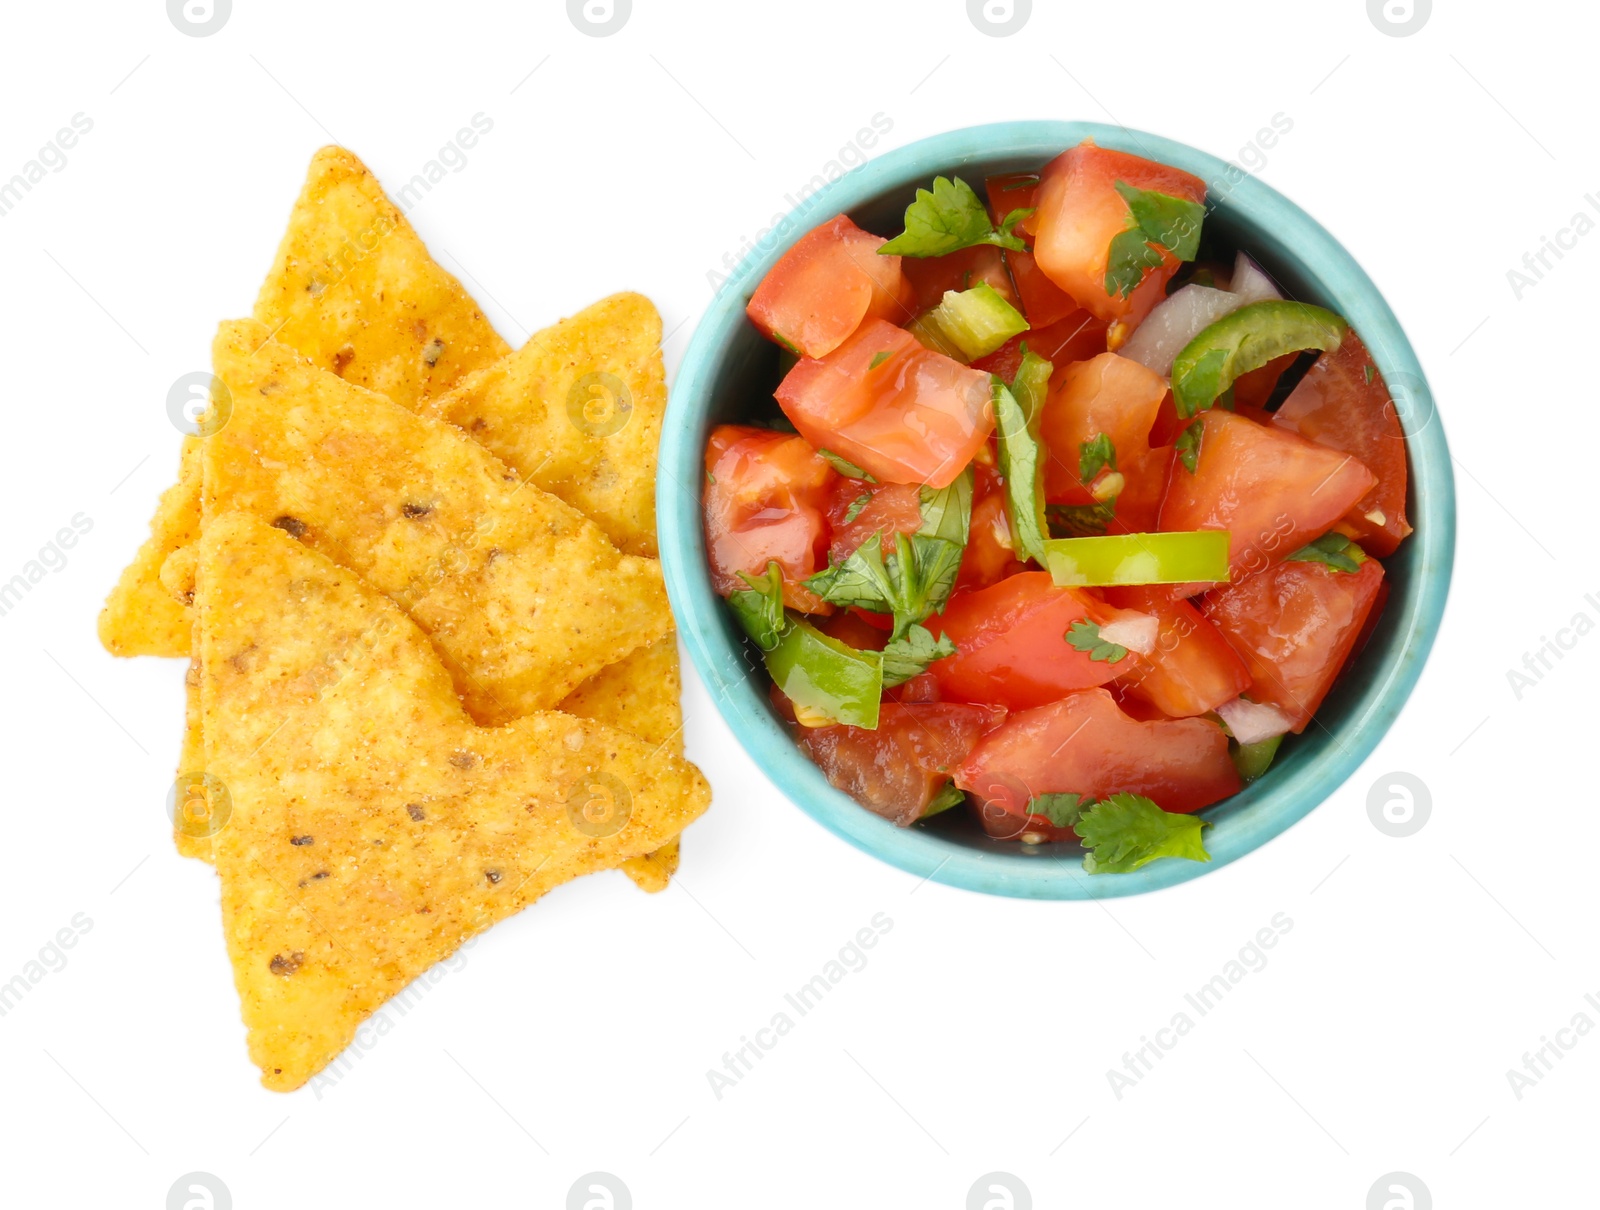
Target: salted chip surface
[[142, 616], [352, 287], [524, 596], [578, 409], [373, 827]]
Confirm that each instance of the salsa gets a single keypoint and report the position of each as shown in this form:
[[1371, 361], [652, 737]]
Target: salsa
[[1063, 517]]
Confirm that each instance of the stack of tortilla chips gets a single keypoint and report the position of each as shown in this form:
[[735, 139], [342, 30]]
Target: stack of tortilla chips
[[433, 668]]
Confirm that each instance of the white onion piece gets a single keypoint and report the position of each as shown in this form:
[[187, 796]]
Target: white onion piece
[[1175, 322], [1135, 631], [1251, 722], [1250, 283]]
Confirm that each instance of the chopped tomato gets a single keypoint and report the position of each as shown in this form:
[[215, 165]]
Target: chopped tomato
[[766, 498], [1342, 403], [1011, 645], [1085, 744], [898, 769], [1294, 625], [991, 554], [1078, 337], [1192, 669], [888, 509], [1273, 491], [1043, 302], [1106, 394], [823, 287], [931, 276], [1080, 212], [893, 407], [851, 629], [1254, 389]]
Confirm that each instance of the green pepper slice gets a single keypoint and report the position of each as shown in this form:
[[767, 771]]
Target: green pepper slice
[[1246, 340], [1252, 760], [822, 675], [1119, 559]]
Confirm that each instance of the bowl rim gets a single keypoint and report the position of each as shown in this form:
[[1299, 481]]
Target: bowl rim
[[721, 657]]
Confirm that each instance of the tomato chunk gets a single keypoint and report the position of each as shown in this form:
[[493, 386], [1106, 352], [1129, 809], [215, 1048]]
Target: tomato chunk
[[822, 288], [1273, 491], [1342, 403], [1294, 625], [1085, 744], [898, 769], [766, 498], [1106, 394], [1079, 212], [1192, 669], [886, 509], [900, 411], [931, 276], [1011, 646], [1043, 302]]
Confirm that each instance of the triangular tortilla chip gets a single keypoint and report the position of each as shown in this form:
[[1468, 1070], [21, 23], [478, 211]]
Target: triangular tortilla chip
[[578, 410], [141, 616], [352, 287], [373, 826], [523, 595]]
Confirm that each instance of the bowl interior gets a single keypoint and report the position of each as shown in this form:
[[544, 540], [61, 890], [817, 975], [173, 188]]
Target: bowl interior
[[728, 376]]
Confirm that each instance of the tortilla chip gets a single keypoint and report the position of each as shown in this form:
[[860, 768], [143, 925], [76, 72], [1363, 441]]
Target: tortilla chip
[[141, 616], [373, 827], [523, 596], [578, 410], [640, 694], [354, 289]]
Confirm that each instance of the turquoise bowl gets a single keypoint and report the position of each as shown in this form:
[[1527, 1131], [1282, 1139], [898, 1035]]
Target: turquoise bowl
[[729, 370]]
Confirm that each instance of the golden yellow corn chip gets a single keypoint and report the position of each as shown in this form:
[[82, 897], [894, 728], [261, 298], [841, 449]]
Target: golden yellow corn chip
[[523, 595], [372, 826], [141, 616], [578, 410]]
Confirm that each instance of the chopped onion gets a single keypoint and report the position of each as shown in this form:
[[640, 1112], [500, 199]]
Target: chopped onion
[[1177, 321], [1135, 631], [1250, 283], [1250, 722]]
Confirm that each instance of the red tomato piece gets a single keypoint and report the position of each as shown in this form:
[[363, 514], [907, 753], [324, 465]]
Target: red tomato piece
[[1043, 302], [766, 498], [991, 554], [1011, 646], [1079, 212], [1273, 491], [896, 770], [822, 288], [1106, 394], [1294, 625], [890, 509], [931, 276], [1078, 337], [1193, 669], [1254, 389], [896, 409], [1342, 403], [1085, 744]]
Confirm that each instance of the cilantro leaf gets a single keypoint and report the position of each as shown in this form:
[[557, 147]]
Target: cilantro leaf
[[845, 467], [1016, 412], [1080, 520], [856, 505], [1156, 221], [950, 796], [910, 656], [948, 218], [1062, 810], [1334, 549], [1188, 446], [911, 584], [1093, 456], [947, 511], [1084, 635], [1127, 831], [759, 608]]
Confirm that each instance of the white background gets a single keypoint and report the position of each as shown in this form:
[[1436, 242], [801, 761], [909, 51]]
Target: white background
[[577, 1037]]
